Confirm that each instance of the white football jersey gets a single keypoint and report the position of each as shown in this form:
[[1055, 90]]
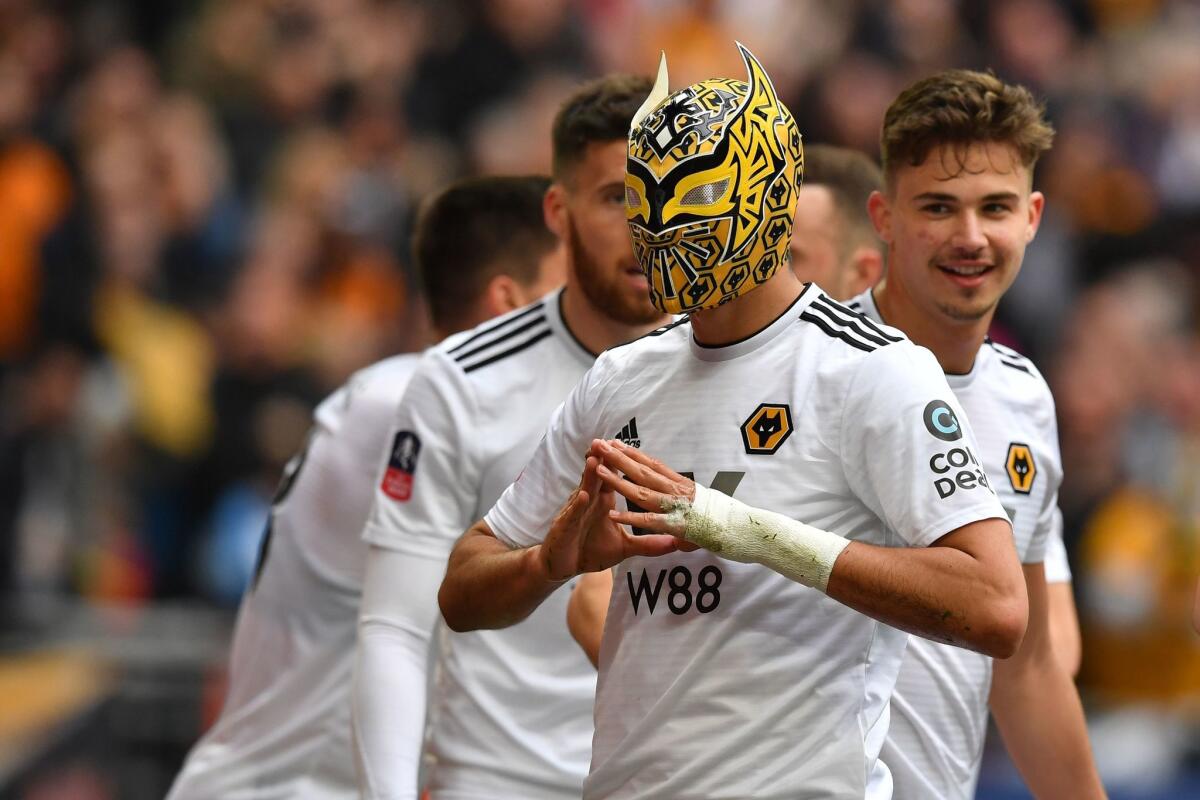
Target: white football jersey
[[511, 711], [727, 680], [939, 708], [284, 731]]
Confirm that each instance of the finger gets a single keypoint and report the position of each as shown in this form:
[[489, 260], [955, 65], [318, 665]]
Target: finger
[[647, 460], [590, 481], [563, 535], [573, 509], [638, 520], [590, 487], [638, 473], [647, 471], [646, 498], [651, 545], [603, 500], [648, 521], [595, 463]]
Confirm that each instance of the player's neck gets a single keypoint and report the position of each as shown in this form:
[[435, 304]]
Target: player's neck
[[749, 313], [954, 343], [594, 329]]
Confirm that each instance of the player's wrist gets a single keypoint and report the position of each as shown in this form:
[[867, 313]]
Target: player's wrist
[[740, 532]]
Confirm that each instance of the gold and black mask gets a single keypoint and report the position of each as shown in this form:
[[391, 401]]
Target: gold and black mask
[[710, 187]]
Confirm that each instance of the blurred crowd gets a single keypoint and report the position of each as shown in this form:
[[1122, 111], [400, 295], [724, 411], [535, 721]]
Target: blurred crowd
[[204, 219]]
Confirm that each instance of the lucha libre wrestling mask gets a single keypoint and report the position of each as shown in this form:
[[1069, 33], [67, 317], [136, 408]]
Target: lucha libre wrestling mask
[[710, 187]]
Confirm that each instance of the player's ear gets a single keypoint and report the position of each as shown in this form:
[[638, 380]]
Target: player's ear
[[1037, 202], [501, 295], [866, 269], [554, 210], [880, 212]]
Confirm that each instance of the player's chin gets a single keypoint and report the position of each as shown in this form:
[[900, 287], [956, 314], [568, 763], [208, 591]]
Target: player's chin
[[967, 311], [636, 308]]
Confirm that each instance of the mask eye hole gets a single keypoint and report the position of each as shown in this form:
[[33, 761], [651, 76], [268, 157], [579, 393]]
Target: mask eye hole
[[631, 198], [705, 194]]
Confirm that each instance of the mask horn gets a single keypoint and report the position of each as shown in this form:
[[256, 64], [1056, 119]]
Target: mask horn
[[757, 78], [658, 93]]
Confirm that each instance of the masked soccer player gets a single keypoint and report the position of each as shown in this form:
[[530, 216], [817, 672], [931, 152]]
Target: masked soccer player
[[720, 677], [834, 246], [511, 710], [284, 731], [958, 209]]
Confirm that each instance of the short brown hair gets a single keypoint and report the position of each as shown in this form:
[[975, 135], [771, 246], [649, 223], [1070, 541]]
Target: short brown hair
[[850, 178], [474, 230], [599, 111], [958, 107]]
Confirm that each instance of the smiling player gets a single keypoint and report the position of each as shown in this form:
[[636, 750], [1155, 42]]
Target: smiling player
[[957, 211]]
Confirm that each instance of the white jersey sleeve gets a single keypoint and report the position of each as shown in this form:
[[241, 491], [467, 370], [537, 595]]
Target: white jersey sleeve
[[1058, 568], [390, 673], [427, 491], [523, 514], [424, 499], [909, 453]]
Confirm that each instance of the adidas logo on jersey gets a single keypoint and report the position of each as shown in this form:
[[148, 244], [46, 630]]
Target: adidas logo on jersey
[[629, 434]]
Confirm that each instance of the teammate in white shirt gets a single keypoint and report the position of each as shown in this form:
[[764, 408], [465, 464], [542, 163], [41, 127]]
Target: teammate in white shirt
[[957, 211], [835, 246], [511, 711], [284, 731], [720, 678]]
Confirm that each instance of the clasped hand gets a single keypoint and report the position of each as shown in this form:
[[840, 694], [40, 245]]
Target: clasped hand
[[589, 533]]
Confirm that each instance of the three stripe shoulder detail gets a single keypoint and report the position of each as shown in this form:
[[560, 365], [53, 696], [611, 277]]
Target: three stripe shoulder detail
[[510, 337], [851, 327], [500, 328], [1011, 358]]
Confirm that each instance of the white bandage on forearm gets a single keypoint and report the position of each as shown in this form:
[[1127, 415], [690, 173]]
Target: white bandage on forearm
[[739, 532]]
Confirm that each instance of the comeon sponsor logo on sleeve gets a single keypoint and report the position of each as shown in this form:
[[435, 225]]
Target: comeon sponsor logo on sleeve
[[941, 422], [958, 468]]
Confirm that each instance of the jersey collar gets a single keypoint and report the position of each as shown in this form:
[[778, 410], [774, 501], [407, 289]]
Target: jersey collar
[[552, 303], [762, 337], [956, 381]]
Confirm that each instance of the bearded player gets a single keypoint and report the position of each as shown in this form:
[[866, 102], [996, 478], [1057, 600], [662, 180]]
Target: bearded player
[[284, 731], [511, 711], [958, 209], [747, 653]]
